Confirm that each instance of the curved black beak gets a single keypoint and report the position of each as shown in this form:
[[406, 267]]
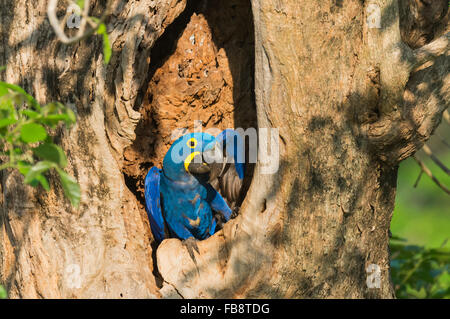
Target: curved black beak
[[216, 161], [196, 165], [211, 161]]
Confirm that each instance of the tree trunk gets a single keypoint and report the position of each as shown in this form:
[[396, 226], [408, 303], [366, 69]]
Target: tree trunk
[[350, 101]]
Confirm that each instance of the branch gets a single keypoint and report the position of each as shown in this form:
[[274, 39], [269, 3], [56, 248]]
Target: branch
[[428, 151], [447, 116], [399, 134], [442, 140], [81, 34], [427, 171], [431, 51], [418, 179]]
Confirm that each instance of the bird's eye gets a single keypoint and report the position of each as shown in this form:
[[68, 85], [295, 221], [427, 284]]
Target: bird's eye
[[192, 143]]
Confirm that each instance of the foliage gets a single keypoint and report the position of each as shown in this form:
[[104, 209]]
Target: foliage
[[3, 293], [420, 215], [421, 218], [25, 143], [419, 272]]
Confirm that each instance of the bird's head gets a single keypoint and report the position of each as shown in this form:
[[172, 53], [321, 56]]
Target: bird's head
[[187, 156]]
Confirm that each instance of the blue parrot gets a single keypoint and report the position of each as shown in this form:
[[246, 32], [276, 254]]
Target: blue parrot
[[180, 200]]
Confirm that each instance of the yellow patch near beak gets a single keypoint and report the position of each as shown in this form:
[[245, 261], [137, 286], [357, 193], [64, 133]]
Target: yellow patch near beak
[[189, 159]]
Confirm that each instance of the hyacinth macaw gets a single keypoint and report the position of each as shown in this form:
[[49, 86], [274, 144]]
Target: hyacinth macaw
[[180, 199]]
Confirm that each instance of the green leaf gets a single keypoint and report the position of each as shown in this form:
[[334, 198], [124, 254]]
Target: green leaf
[[420, 294], [31, 114], [32, 132], [7, 108], [3, 91], [55, 112], [57, 117], [420, 272], [49, 108], [3, 293], [71, 117], [31, 100], [7, 122], [70, 186], [80, 3], [17, 151], [101, 28], [23, 167], [444, 279], [36, 170], [107, 51], [41, 178], [53, 119], [52, 153]]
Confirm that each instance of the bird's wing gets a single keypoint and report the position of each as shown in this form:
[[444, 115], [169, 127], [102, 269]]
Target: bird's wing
[[229, 182], [234, 149], [218, 203], [153, 203]]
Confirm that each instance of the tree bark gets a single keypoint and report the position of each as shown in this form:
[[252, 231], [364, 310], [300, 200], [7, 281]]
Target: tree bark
[[349, 101], [47, 248]]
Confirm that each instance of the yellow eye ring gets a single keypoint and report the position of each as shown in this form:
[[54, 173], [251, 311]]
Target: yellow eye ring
[[192, 143]]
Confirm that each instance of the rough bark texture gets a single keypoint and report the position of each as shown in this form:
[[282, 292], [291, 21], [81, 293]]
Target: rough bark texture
[[334, 88], [422, 21], [48, 249]]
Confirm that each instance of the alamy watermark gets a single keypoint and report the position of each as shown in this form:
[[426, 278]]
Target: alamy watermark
[[262, 146], [373, 16], [373, 276], [74, 19], [73, 276]]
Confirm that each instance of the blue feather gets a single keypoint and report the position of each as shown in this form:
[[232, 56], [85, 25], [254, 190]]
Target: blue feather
[[153, 203], [235, 149], [187, 200]]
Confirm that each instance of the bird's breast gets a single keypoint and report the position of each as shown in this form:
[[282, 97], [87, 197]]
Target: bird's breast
[[186, 205]]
